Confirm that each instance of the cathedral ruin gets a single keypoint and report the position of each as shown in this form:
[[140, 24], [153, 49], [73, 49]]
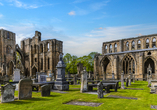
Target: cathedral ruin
[[36, 55], [132, 55]]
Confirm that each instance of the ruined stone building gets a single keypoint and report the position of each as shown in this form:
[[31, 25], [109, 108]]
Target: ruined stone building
[[131, 55], [7, 51], [40, 56], [36, 55]]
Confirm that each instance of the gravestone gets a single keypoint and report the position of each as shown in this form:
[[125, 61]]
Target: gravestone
[[75, 79], [90, 74], [25, 88], [16, 76], [122, 80], [127, 81], [61, 83], [45, 90], [112, 75], [100, 90], [7, 93], [83, 80], [41, 76]]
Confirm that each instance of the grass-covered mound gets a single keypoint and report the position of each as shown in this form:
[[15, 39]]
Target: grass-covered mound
[[56, 100]]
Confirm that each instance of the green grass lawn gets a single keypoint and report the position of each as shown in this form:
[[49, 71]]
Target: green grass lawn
[[56, 100]]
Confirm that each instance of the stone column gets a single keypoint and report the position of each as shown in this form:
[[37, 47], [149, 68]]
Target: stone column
[[43, 57], [122, 80], [83, 80], [100, 90], [129, 79]]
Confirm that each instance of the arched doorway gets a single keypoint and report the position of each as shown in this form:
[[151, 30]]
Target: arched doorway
[[128, 65], [34, 70], [106, 63], [148, 62], [11, 65]]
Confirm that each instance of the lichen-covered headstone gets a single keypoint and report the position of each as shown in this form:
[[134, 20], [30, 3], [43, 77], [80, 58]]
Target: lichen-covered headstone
[[83, 80], [45, 90], [7, 93], [100, 90], [122, 80], [25, 88]]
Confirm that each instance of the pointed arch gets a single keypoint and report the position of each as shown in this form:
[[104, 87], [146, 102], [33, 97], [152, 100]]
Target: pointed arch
[[128, 64]]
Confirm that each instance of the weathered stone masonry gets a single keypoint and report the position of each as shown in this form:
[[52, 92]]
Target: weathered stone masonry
[[128, 55]]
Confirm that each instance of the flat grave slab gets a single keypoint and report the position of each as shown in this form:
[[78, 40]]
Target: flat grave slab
[[135, 88], [154, 106], [62, 92], [92, 104], [93, 92], [122, 97]]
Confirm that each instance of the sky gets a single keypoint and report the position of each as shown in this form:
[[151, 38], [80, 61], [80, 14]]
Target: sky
[[82, 25]]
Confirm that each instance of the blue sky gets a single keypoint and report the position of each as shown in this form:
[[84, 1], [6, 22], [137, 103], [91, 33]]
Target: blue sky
[[82, 25]]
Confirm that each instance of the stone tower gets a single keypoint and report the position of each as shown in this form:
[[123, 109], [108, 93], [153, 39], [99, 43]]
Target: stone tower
[[7, 52]]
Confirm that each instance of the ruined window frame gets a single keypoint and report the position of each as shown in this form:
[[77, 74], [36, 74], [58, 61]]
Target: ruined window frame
[[147, 43], [133, 45], [127, 46], [154, 42], [139, 44]]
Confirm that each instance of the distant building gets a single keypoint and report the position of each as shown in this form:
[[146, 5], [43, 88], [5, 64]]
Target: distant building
[[129, 55], [36, 55]]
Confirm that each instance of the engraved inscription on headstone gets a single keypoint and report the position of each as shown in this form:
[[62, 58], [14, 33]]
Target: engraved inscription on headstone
[[25, 88], [7, 93]]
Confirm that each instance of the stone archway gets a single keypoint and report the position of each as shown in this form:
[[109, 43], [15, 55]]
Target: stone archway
[[34, 70], [148, 61]]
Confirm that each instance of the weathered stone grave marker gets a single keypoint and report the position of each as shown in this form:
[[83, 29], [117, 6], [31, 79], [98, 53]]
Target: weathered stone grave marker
[[25, 88], [83, 80], [122, 80], [16, 76], [7, 93], [100, 90], [45, 90], [41, 76]]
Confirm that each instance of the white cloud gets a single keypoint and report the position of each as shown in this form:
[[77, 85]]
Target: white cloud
[[92, 41], [1, 4], [19, 4], [72, 13], [98, 5], [1, 15]]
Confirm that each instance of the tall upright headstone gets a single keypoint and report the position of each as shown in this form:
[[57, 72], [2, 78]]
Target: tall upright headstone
[[129, 79], [61, 83], [83, 80], [25, 88], [100, 90], [16, 75], [122, 80], [75, 79], [7, 93]]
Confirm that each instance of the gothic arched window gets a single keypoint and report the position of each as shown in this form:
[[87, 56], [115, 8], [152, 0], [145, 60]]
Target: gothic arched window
[[139, 44], [147, 43], [154, 43], [127, 46], [105, 48], [133, 45]]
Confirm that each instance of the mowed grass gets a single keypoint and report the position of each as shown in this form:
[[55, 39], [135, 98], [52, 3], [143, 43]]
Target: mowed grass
[[56, 100]]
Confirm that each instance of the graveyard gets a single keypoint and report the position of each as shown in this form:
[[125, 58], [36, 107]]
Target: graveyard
[[59, 100]]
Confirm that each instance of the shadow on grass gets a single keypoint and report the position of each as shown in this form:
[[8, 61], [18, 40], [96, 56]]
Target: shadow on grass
[[54, 96]]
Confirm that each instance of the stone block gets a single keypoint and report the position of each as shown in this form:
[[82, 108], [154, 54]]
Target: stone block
[[25, 89]]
